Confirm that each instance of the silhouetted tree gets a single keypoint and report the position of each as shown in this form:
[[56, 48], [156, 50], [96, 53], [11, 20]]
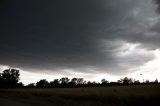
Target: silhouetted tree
[[64, 81], [147, 81], [20, 85], [104, 82], [54, 83], [1, 81], [126, 81], [31, 85], [10, 77], [80, 81], [156, 81], [115, 83], [73, 82], [136, 82], [42, 83], [89, 83]]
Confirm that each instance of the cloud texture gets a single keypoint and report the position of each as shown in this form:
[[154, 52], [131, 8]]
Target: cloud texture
[[82, 35]]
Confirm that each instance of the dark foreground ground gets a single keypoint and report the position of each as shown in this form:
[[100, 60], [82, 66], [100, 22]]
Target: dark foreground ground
[[140, 95]]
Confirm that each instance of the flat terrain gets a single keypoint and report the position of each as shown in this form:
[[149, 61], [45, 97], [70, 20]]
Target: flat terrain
[[135, 95], [9, 102]]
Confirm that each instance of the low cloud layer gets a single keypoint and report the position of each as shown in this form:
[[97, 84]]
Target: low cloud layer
[[82, 35]]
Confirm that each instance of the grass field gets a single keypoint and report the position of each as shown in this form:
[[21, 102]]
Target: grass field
[[134, 95]]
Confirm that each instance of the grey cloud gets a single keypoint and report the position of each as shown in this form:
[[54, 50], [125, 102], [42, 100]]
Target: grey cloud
[[158, 4], [61, 34]]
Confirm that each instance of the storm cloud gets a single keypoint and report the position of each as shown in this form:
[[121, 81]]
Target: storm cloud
[[83, 35]]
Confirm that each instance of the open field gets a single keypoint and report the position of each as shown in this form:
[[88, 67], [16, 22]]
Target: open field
[[101, 96]]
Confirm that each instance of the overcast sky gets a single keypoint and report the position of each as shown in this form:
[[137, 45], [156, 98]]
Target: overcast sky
[[87, 37]]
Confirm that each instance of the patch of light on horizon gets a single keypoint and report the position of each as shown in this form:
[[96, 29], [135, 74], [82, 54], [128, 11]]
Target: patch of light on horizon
[[3, 67], [109, 78], [30, 77], [150, 71]]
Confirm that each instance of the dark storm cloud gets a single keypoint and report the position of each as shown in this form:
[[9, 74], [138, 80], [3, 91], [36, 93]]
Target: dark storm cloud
[[149, 37], [156, 27], [61, 34], [158, 4]]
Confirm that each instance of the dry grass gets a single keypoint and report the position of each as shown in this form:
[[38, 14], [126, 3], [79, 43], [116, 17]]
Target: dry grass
[[100, 96]]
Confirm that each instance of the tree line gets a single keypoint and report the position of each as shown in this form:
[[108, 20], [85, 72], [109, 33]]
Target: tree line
[[9, 78]]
